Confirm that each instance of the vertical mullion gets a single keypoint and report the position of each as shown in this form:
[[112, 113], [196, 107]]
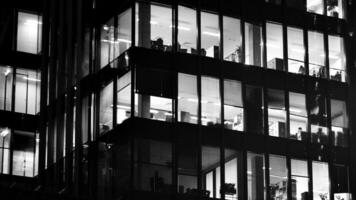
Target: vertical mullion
[[267, 175], [264, 47]]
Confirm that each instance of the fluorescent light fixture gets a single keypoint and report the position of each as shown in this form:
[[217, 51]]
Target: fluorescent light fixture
[[193, 100], [31, 79], [123, 107], [211, 34], [181, 28], [296, 110], [168, 114], [123, 40], [153, 22], [106, 28], [4, 132], [117, 41], [154, 111], [32, 22]]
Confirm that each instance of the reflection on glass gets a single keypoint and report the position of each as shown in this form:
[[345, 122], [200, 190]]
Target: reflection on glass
[[187, 30], [337, 59], [296, 50], [5, 135], [210, 35], [123, 40], [211, 170], [278, 177], [107, 43], [210, 101], [253, 44], [335, 8], [254, 109], [187, 98], [339, 123], [300, 179], [276, 113], [106, 108], [29, 33], [274, 34], [233, 175], [232, 39], [152, 169], [315, 6], [316, 54], [341, 182], [297, 116], [255, 176], [152, 107], [6, 80], [154, 26], [27, 91], [233, 106], [321, 182], [318, 115], [23, 153], [187, 168], [123, 98]]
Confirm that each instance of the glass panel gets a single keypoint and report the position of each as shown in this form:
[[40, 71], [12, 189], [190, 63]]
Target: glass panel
[[211, 171], [106, 108], [187, 168], [5, 136], [123, 41], [233, 106], [337, 59], [153, 170], [341, 182], [339, 123], [151, 107], [123, 97], [315, 6], [278, 177], [210, 35], [23, 153], [253, 44], [321, 183], [255, 176], [316, 54], [336, 8], [300, 179], [187, 30], [29, 29], [233, 174], [254, 109], [6, 79], [232, 39], [297, 116], [107, 43], [28, 83], [276, 113], [296, 50], [274, 34], [210, 101], [318, 115], [154, 26], [187, 98]]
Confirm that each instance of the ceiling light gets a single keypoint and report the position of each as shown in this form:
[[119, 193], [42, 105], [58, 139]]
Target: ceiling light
[[8, 71], [153, 22], [124, 40], [4, 132], [295, 110], [211, 34], [32, 22], [31, 79]]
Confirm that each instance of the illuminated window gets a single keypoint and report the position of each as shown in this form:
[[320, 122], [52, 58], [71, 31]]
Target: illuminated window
[[29, 33]]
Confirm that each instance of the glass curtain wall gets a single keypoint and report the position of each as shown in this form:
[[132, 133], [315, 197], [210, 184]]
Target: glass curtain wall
[[278, 175], [5, 136], [253, 44], [211, 172], [187, 30], [321, 183], [256, 188], [187, 98], [315, 6], [274, 34], [154, 26], [107, 43], [123, 40], [341, 182], [210, 101], [299, 179], [318, 115], [254, 109], [296, 50], [106, 108], [123, 98], [210, 35], [337, 59], [232, 39], [316, 54], [233, 174], [233, 105], [277, 116], [6, 81], [298, 119], [336, 8], [29, 32], [339, 123]]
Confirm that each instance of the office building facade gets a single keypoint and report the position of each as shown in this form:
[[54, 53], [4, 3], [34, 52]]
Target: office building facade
[[248, 99]]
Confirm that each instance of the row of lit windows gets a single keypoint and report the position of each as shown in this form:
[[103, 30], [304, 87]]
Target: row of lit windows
[[332, 8], [154, 29], [243, 108], [21, 148], [155, 165], [19, 88], [29, 32]]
